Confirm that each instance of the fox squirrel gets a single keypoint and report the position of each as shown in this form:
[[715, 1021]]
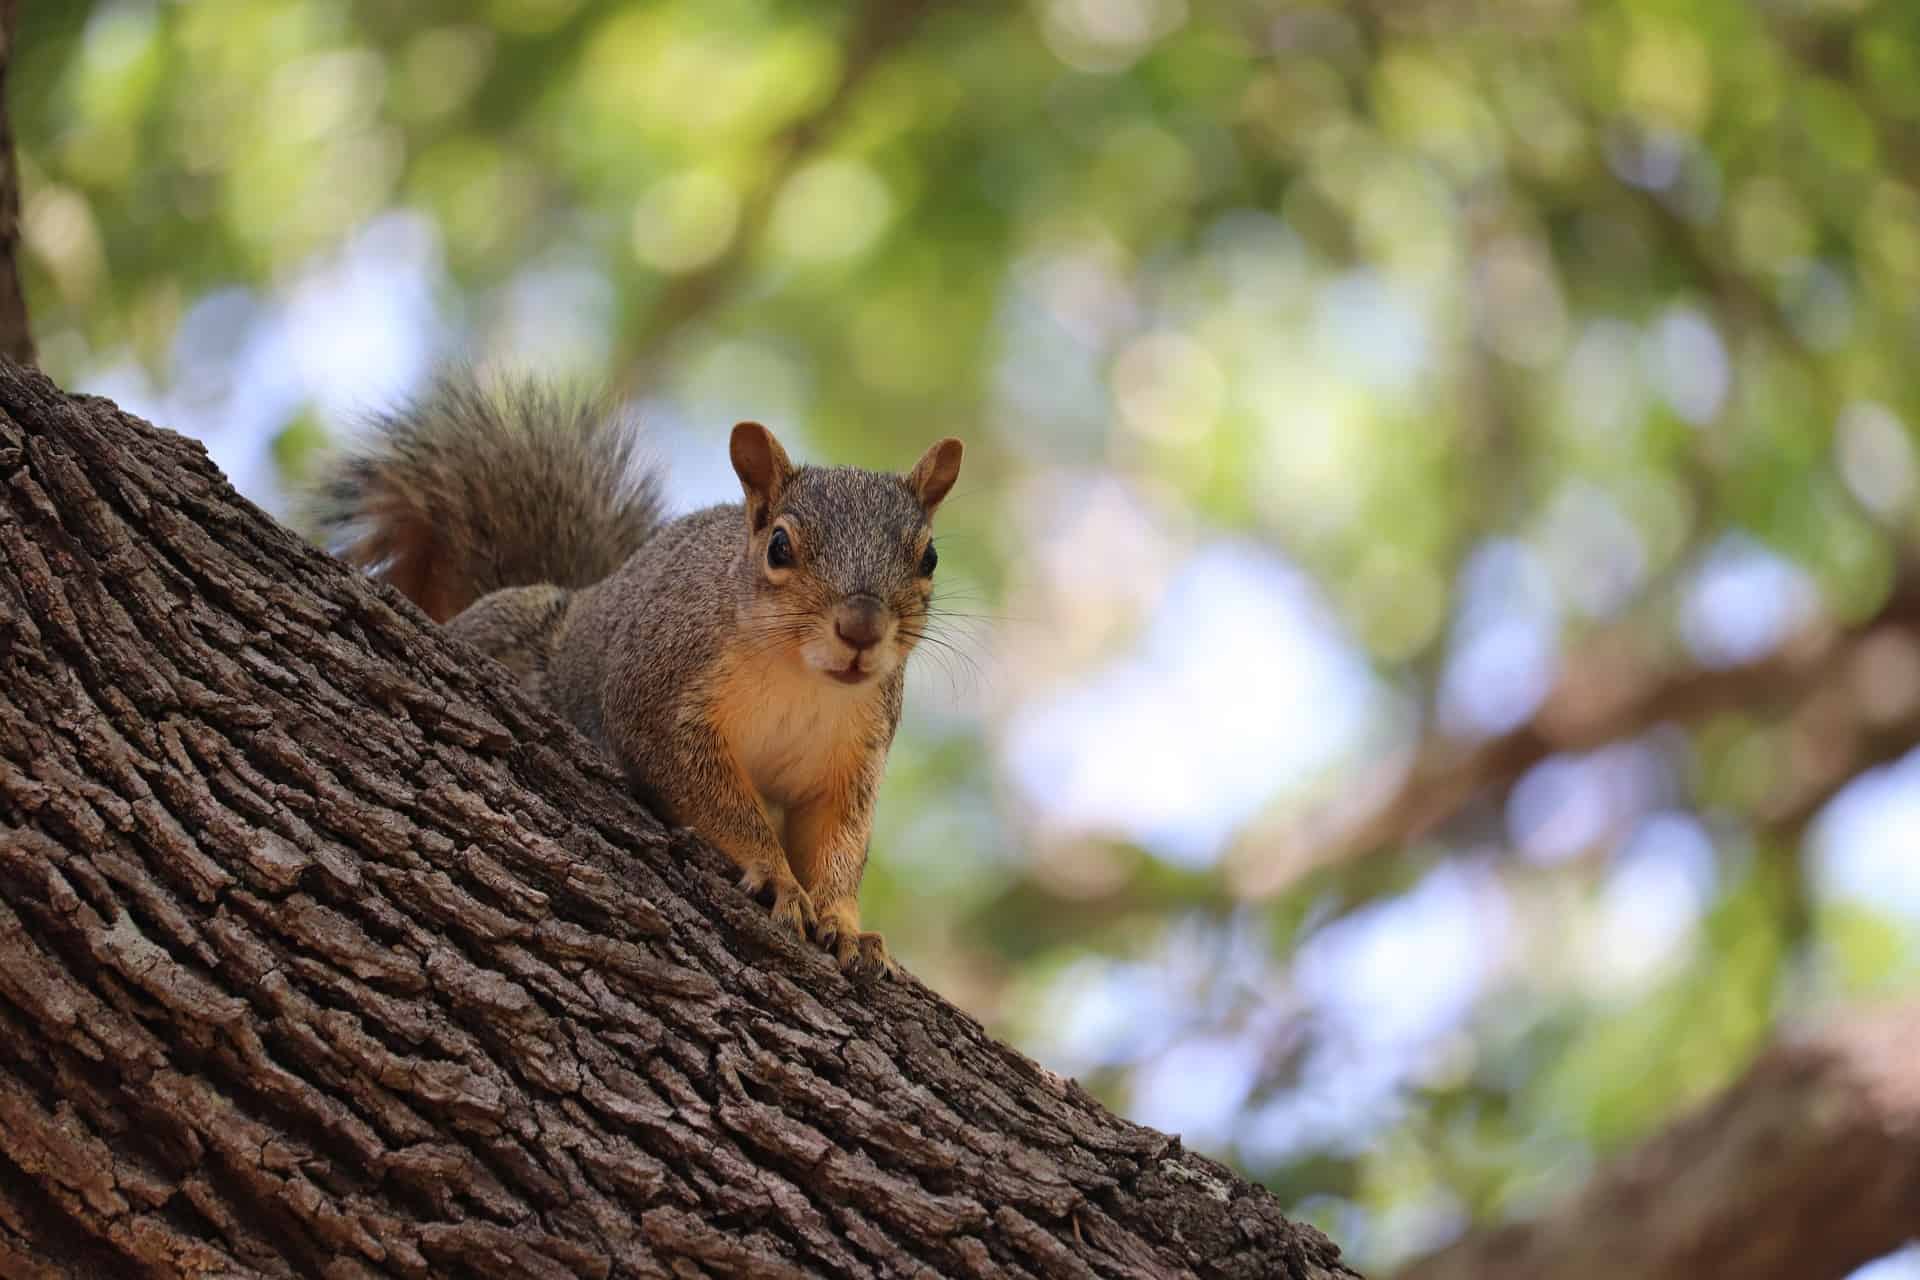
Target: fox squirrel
[[744, 664]]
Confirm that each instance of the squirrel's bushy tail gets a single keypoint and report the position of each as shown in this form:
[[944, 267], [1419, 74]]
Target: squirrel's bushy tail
[[472, 488]]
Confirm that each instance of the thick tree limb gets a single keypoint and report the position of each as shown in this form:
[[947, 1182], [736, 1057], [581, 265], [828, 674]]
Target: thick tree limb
[[1806, 1168], [325, 953], [16, 338]]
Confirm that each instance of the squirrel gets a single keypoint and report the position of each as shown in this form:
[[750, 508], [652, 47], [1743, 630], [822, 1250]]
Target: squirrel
[[744, 664]]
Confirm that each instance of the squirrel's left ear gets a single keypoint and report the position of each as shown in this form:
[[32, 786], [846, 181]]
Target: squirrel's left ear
[[935, 473], [763, 469]]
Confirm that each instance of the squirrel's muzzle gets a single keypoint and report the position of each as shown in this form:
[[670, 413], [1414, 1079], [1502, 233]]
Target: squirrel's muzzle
[[861, 621]]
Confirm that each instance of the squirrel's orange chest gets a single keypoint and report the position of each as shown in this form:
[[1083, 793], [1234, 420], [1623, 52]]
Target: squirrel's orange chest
[[795, 736]]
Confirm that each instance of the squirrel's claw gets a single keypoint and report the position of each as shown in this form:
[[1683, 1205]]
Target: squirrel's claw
[[786, 901], [857, 950], [863, 953], [792, 907]]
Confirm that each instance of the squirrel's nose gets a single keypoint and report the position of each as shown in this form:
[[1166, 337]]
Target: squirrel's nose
[[860, 621]]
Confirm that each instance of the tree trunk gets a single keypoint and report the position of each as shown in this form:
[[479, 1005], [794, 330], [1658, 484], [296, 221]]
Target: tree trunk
[[1804, 1169], [16, 339], [323, 952]]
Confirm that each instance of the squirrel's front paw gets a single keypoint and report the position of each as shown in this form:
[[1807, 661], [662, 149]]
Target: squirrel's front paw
[[786, 901], [864, 952], [858, 950], [793, 908]]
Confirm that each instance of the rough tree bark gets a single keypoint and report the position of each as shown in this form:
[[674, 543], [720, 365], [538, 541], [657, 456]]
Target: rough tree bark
[[325, 953], [1804, 1169]]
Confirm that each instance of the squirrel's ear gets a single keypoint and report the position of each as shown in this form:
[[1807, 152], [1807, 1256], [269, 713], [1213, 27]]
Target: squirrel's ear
[[763, 469], [935, 473]]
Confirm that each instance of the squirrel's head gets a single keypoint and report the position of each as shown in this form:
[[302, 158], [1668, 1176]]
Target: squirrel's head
[[839, 562]]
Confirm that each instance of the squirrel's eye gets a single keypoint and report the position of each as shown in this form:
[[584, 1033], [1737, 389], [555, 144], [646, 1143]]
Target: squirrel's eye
[[929, 560], [779, 550]]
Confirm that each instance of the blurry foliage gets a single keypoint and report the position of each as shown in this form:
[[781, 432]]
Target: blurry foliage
[[1377, 286]]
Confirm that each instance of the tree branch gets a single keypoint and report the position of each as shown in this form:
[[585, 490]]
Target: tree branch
[[1804, 1169]]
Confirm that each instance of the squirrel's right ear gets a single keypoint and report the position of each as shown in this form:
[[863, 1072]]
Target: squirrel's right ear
[[934, 474], [763, 469]]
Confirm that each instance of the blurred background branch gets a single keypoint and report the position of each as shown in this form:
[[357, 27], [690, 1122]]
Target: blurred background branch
[[1848, 696], [879, 28], [1805, 1168]]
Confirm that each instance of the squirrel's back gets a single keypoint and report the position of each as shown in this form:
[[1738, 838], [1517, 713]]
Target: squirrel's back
[[471, 489]]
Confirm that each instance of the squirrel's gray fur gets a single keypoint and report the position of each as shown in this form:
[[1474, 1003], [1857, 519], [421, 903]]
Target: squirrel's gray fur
[[469, 489], [750, 696]]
